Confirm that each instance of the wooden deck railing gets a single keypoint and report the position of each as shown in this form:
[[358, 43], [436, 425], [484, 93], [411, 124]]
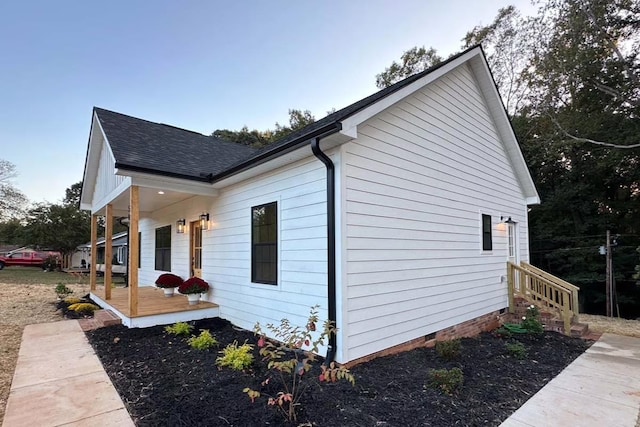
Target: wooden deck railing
[[543, 289]]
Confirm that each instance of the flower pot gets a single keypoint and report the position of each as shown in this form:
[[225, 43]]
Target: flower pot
[[168, 292], [193, 299]]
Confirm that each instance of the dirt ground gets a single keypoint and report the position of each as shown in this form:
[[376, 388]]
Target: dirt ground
[[22, 304]]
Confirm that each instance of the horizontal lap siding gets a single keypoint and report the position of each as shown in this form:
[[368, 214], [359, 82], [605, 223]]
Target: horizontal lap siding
[[417, 179], [300, 190]]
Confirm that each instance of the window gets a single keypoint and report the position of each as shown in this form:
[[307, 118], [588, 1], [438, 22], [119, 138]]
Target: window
[[264, 243], [163, 248], [487, 243]]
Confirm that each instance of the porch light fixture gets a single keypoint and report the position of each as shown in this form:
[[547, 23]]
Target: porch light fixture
[[507, 220], [204, 221], [180, 225]]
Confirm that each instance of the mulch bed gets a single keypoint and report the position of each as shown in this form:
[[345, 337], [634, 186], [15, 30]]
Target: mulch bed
[[63, 306], [164, 382]]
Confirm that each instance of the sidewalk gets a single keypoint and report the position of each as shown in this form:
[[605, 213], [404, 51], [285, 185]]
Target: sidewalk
[[600, 388], [60, 381]]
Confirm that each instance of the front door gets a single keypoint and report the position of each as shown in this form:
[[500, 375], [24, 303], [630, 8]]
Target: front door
[[196, 249]]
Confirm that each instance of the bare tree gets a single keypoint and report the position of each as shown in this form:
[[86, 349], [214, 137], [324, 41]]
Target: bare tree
[[12, 201]]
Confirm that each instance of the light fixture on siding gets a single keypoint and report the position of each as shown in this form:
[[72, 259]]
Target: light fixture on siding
[[204, 221], [180, 225], [507, 220]]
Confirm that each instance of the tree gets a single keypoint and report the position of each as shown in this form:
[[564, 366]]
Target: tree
[[62, 227], [412, 61], [257, 139], [12, 201]]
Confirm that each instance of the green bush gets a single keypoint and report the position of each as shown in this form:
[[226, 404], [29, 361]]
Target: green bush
[[62, 290], [203, 341], [448, 350], [236, 357], [531, 322], [180, 329], [517, 350], [446, 380]]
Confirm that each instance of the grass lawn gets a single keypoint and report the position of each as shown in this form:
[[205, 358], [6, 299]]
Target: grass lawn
[[35, 275]]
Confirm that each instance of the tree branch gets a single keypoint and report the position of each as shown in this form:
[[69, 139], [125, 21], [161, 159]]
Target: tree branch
[[592, 141]]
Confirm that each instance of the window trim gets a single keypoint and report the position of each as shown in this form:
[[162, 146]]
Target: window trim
[[156, 248], [484, 231], [276, 242]]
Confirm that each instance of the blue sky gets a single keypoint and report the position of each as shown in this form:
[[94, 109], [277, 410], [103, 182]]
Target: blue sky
[[201, 65]]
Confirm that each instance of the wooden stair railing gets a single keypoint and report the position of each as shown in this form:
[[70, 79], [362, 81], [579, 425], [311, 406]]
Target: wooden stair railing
[[543, 289]]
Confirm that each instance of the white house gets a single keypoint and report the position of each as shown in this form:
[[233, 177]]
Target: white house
[[396, 214]]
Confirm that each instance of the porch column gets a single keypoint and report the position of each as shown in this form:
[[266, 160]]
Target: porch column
[[134, 244], [108, 250], [94, 251]]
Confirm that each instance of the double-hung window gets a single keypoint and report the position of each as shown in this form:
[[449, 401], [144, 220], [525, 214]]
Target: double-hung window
[[264, 243], [487, 240], [163, 248]]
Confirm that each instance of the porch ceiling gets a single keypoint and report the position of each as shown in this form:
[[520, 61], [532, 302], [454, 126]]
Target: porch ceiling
[[151, 199]]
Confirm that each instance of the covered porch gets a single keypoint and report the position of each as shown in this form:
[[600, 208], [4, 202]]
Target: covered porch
[[153, 307]]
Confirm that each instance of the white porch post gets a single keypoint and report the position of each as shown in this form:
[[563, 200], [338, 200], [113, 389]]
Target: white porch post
[[134, 245]]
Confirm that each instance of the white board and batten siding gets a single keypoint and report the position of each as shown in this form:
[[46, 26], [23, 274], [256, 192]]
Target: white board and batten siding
[[300, 192], [417, 180], [106, 180]]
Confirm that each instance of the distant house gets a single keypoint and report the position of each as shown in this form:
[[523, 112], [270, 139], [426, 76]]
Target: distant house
[[396, 214], [119, 258]]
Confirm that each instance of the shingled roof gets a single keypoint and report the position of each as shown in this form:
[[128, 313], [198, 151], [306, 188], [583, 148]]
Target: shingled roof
[[144, 146]]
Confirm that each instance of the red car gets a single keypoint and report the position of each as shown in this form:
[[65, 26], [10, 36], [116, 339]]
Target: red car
[[30, 259]]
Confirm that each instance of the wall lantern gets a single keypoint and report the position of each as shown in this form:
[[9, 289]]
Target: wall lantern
[[204, 221], [180, 225], [507, 220]]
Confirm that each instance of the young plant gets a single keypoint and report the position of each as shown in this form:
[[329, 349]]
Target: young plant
[[448, 350], [236, 357], [179, 329], [84, 307], [447, 380], [204, 341], [517, 350], [62, 290], [290, 362], [531, 322]]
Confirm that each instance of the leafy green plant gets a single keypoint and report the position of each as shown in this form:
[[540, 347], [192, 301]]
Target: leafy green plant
[[236, 357], [289, 362], [448, 350], [517, 350], [204, 341], [84, 307], [62, 290], [446, 380], [531, 322], [179, 329]]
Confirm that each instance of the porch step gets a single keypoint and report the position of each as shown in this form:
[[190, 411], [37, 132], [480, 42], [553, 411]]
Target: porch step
[[550, 320], [101, 319]]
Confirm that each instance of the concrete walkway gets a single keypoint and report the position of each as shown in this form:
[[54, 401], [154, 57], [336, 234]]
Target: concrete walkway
[[60, 381], [600, 388]]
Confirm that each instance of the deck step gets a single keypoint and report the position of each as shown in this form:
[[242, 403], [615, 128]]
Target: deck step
[[101, 319]]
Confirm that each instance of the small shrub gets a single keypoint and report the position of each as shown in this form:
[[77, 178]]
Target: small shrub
[[448, 350], [204, 341], [84, 308], [179, 329], [62, 290], [517, 350], [446, 380], [72, 300], [290, 363], [236, 357], [531, 322]]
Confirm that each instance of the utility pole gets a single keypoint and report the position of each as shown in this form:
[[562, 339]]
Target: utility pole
[[608, 276]]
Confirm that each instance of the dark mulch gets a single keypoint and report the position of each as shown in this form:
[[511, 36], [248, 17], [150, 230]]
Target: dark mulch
[[164, 382]]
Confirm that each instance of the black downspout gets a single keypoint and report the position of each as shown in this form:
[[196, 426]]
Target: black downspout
[[331, 242]]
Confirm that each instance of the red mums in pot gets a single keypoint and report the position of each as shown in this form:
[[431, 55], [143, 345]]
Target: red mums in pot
[[194, 285], [169, 280]]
